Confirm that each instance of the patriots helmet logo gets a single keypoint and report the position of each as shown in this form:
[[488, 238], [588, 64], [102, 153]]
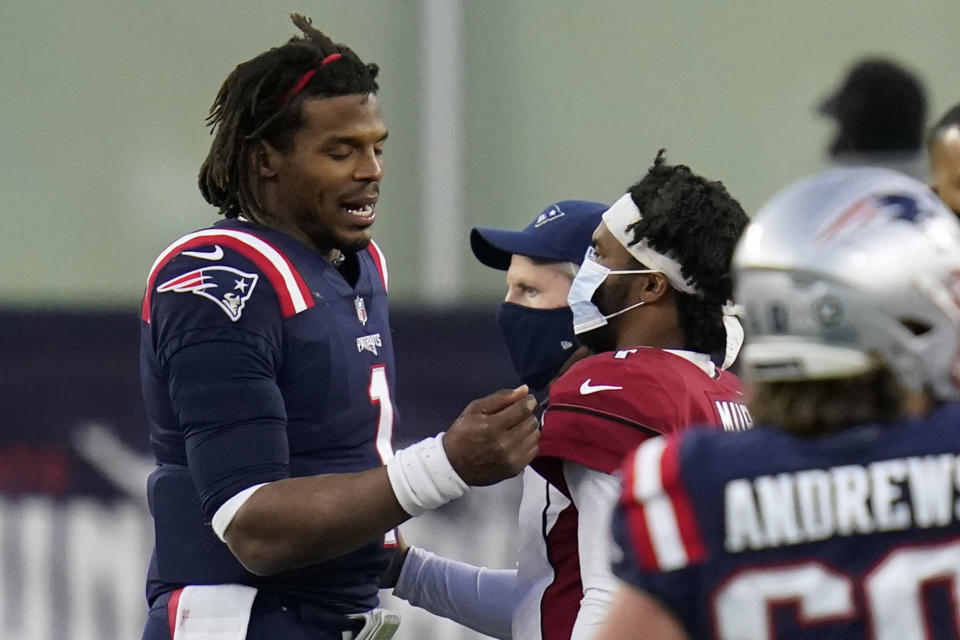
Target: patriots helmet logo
[[875, 209], [227, 287]]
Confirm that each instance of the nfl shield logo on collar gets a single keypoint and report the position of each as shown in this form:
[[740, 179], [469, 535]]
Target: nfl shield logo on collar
[[361, 310]]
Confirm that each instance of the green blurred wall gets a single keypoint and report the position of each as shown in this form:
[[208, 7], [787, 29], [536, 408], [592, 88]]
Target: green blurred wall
[[103, 107]]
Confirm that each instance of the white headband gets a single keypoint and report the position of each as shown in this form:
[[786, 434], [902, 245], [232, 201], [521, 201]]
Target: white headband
[[621, 215]]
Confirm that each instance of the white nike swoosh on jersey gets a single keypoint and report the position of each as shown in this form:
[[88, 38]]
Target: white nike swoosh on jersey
[[586, 388], [216, 254]]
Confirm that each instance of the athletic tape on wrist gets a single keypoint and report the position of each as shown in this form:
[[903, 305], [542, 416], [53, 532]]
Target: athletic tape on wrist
[[423, 478]]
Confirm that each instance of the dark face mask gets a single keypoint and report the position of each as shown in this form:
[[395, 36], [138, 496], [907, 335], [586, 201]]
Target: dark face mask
[[539, 341]]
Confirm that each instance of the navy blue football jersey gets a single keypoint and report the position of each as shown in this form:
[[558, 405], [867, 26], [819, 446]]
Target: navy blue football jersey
[[759, 535], [261, 361]]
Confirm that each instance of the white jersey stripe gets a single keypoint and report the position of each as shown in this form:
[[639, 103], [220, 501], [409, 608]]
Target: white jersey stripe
[[658, 510], [382, 261], [264, 249]]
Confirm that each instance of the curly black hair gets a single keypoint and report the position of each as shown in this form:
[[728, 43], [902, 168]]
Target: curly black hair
[[697, 223], [256, 103]]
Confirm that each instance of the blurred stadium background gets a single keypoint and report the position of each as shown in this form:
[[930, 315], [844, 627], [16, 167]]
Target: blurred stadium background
[[495, 108]]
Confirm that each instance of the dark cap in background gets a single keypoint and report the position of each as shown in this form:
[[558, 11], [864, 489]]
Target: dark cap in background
[[879, 107]]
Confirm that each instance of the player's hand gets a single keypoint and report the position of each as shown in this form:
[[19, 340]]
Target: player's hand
[[494, 438]]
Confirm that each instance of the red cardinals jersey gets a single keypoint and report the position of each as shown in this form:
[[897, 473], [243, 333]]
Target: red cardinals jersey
[[600, 411], [607, 404]]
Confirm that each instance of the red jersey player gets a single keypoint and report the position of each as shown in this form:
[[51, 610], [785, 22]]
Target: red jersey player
[[652, 299]]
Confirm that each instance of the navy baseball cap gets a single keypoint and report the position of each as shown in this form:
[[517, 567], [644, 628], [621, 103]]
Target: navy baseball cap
[[561, 233]]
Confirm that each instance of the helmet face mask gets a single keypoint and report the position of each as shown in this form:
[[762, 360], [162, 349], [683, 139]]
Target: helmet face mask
[[848, 267]]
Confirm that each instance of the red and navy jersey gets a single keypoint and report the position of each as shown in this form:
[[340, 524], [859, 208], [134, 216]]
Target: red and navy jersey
[[760, 535], [598, 412], [261, 361]]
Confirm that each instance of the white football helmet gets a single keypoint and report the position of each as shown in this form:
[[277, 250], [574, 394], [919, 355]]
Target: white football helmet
[[847, 264]]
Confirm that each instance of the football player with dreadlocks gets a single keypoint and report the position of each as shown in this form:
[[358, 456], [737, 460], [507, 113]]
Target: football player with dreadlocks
[[652, 300], [268, 375], [540, 263]]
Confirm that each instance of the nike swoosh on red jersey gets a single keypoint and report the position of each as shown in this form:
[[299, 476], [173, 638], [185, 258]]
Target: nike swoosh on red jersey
[[216, 254], [586, 388]]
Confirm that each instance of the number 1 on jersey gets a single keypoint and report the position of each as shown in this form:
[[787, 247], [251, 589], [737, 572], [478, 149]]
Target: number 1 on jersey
[[380, 394]]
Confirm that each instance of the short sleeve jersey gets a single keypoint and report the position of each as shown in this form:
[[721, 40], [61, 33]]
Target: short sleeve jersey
[[261, 361], [598, 412], [759, 535], [605, 405]]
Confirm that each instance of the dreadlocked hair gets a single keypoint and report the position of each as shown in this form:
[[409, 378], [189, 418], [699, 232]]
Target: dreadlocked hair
[[256, 102], [697, 223]]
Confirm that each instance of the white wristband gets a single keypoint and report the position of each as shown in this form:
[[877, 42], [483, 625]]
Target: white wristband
[[423, 478]]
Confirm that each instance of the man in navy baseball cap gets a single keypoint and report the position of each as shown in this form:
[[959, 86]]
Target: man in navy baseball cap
[[561, 233], [541, 262]]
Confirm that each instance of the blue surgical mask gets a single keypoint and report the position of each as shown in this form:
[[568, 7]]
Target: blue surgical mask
[[586, 315], [539, 341]]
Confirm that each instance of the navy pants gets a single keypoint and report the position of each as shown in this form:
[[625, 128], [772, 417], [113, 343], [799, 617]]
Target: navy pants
[[271, 618]]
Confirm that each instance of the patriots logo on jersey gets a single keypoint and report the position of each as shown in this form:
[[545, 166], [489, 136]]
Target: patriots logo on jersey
[[369, 343], [227, 287]]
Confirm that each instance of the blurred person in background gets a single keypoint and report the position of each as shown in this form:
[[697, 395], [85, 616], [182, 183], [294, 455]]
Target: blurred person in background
[[943, 149], [652, 301], [268, 374], [537, 325], [880, 111], [835, 517]]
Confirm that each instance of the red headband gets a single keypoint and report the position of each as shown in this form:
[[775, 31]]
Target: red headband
[[305, 78]]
